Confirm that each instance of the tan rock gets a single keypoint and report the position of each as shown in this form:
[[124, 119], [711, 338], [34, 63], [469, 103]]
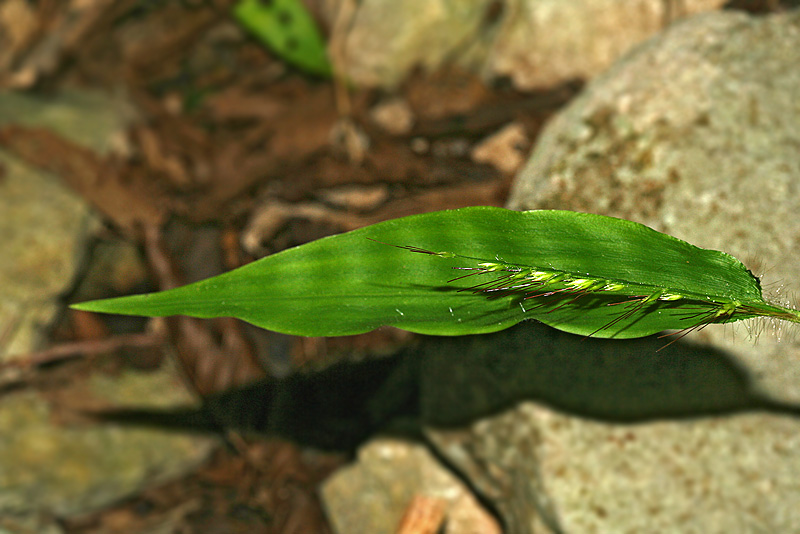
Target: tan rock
[[373, 494]]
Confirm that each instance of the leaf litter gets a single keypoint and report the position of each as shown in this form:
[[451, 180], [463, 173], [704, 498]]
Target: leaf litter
[[219, 132]]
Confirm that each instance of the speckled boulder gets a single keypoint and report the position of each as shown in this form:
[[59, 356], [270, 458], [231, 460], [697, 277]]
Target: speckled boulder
[[44, 225], [572, 435], [695, 134]]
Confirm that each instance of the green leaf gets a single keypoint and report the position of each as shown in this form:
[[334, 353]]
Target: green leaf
[[477, 270], [286, 27]]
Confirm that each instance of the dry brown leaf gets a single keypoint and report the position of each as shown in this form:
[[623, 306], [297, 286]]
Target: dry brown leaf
[[166, 39], [128, 199], [169, 164]]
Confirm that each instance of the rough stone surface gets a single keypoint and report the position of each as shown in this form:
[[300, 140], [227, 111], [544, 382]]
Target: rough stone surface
[[557, 473], [372, 494], [533, 42], [28, 526], [522, 460], [44, 225], [50, 468], [544, 42], [386, 40], [696, 135]]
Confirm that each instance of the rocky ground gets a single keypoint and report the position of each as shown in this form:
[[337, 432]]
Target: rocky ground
[[149, 144]]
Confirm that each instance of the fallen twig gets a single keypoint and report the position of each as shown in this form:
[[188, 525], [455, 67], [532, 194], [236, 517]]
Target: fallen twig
[[90, 347]]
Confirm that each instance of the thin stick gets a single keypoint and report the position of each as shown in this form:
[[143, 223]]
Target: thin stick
[[72, 349]]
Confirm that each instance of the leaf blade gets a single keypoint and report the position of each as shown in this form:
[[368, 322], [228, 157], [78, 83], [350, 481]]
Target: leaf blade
[[355, 282]]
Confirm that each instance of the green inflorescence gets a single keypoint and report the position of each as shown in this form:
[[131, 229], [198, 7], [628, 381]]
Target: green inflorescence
[[531, 283]]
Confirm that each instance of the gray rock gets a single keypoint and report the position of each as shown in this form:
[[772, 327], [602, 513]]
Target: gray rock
[[551, 472], [513, 411], [50, 468], [29, 525], [64, 469], [500, 457], [43, 227], [386, 40], [43, 224], [372, 494], [545, 42], [695, 135], [534, 42]]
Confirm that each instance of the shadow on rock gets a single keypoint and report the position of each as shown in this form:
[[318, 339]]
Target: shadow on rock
[[623, 381], [450, 382]]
